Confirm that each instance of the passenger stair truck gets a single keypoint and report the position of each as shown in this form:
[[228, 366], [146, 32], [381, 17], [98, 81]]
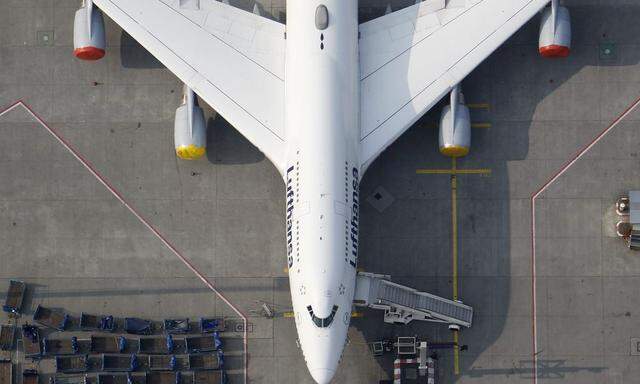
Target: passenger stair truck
[[402, 304]]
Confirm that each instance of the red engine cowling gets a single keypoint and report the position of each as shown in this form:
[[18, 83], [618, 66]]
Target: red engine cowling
[[555, 32], [88, 33]]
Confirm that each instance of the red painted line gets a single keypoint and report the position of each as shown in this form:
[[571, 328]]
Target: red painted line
[[131, 209], [568, 164]]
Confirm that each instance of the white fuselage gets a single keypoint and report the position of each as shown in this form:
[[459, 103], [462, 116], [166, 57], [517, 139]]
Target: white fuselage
[[322, 176]]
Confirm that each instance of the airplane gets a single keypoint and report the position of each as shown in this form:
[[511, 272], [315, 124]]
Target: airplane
[[321, 96]]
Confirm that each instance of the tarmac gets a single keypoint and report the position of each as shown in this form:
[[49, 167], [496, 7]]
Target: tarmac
[[80, 249]]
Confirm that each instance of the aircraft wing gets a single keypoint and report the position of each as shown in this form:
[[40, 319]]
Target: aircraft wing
[[411, 58], [233, 59]]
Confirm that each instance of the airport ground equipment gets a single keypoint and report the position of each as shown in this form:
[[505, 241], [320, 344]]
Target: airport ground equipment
[[403, 304], [7, 336], [6, 371], [213, 324], [164, 377], [15, 297], [119, 363], [168, 363], [174, 326], [51, 318], [97, 323], [137, 326], [203, 362], [31, 341], [30, 376], [69, 379], [108, 344], [60, 346], [208, 343], [122, 378], [156, 345], [629, 208], [209, 377], [72, 364]]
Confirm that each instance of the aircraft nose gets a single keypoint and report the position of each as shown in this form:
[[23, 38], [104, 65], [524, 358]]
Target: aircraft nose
[[322, 376]]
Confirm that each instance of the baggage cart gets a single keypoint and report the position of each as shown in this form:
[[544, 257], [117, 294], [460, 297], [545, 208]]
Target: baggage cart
[[31, 342], [176, 326], [119, 363], [72, 364], [168, 363], [6, 372], [208, 343], [108, 344], [60, 346], [203, 362], [51, 318], [209, 377], [97, 323], [15, 297], [122, 378], [7, 337], [156, 345], [137, 326], [212, 324], [164, 377], [30, 376]]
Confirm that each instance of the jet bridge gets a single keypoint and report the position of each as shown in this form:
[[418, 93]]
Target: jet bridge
[[402, 304]]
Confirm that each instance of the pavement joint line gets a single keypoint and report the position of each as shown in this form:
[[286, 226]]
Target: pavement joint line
[[87, 165], [568, 164]]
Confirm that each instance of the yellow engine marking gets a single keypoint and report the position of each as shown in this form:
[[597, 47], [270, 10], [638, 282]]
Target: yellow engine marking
[[190, 152]]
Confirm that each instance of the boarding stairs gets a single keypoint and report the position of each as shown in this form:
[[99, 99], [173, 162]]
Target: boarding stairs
[[403, 304]]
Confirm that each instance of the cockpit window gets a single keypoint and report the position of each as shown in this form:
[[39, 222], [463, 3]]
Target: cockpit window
[[323, 323]]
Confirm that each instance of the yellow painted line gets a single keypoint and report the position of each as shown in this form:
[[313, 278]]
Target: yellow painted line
[[454, 227], [454, 248], [482, 171], [456, 354], [433, 125], [486, 106], [353, 314]]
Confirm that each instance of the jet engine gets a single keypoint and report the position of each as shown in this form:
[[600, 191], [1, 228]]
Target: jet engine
[[455, 127], [555, 31], [88, 33], [190, 130]]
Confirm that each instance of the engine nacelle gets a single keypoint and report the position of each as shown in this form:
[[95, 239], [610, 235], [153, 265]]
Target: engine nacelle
[[555, 32], [190, 130], [455, 127], [88, 33]]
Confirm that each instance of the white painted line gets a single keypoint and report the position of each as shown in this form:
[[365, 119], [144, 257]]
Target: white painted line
[[534, 197], [131, 209]]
